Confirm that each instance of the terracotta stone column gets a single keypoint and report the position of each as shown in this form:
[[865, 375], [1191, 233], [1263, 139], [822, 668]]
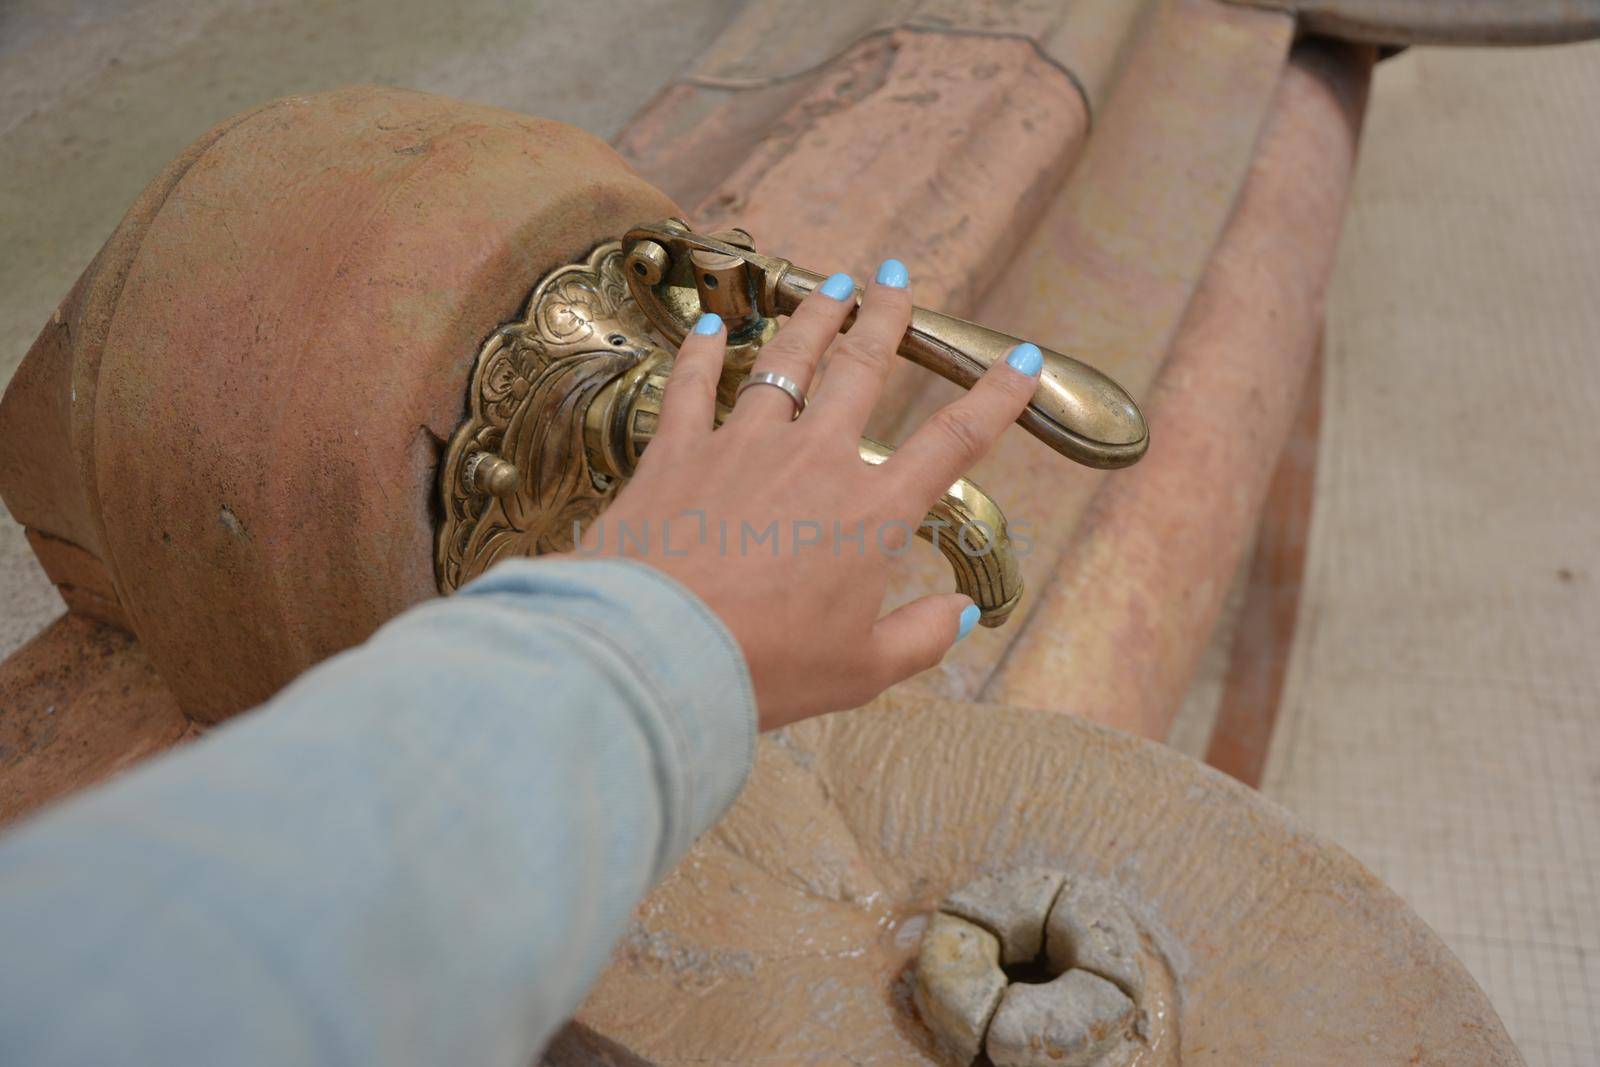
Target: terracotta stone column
[[1121, 623]]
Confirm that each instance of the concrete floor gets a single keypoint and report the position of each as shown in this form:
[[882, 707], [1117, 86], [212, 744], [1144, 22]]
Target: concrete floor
[[1441, 717], [1443, 704]]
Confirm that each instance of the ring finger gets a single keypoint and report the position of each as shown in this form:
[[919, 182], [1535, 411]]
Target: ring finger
[[794, 352]]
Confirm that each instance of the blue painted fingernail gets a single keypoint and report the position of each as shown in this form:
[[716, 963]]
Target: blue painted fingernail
[[893, 273], [838, 287], [969, 619], [709, 324], [1026, 358]]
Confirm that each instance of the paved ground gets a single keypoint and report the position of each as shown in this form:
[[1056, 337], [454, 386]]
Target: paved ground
[[1442, 711], [1443, 704]]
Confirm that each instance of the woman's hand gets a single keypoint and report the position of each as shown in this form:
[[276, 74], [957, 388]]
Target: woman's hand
[[779, 525]]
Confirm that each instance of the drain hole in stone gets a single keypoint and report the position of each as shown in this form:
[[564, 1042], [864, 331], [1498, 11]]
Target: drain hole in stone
[[1036, 971], [1029, 967]]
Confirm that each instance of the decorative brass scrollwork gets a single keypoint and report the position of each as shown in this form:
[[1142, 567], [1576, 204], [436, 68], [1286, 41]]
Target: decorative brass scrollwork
[[563, 401], [516, 475]]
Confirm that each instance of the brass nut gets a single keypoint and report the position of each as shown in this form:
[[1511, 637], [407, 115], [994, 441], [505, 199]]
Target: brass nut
[[648, 261], [488, 473]]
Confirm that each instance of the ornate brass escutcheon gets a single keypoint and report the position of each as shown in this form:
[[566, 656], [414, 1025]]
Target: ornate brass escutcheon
[[563, 401]]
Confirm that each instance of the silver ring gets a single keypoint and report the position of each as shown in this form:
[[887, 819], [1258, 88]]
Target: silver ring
[[766, 377]]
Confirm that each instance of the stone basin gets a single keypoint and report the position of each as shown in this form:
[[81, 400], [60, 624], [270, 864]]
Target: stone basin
[[789, 933]]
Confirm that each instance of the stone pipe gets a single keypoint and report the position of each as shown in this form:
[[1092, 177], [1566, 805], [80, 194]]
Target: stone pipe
[[1109, 268], [1119, 628]]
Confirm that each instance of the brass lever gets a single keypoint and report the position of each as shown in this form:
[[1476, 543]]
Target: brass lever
[[675, 273]]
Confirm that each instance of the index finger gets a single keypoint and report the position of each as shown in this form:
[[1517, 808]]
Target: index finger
[[860, 360], [689, 406], [959, 434]]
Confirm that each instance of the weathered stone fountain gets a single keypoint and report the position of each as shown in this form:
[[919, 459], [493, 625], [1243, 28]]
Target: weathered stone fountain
[[1193, 921], [351, 348]]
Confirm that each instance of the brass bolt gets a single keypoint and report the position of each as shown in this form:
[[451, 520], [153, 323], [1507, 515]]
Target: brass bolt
[[723, 283], [648, 262], [488, 473]]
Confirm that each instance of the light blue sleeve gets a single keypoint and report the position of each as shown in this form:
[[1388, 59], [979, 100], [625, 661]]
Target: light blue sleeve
[[420, 852]]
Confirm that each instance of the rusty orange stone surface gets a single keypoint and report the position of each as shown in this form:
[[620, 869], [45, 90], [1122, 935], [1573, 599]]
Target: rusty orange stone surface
[[78, 703], [1121, 622], [281, 333], [1106, 273], [293, 516], [1263, 636]]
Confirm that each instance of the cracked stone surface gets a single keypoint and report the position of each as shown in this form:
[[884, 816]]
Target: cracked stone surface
[[1071, 1021], [1075, 928], [1088, 928], [958, 983], [1011, 904]]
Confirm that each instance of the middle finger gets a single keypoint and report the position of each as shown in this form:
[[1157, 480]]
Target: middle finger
[[859, 361]]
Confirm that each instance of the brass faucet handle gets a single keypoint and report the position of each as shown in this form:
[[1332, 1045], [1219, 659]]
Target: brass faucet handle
[[675, 274]]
